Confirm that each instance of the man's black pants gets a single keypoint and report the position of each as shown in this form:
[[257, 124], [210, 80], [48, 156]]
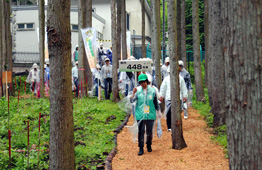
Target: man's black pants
[[141, 132]]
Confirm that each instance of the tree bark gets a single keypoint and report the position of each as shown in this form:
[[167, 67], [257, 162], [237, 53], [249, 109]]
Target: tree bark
[[217, 72], [196, 47], [61, 155], [119, 29], [1, 50], [114, 50], [156, 44], [206, 23], [178, 20], [143, 30], [41, 13], [178, 141], [183, 33], [124, 47], [242, 49]]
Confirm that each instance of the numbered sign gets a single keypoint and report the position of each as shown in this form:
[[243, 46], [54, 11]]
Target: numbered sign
[[135, 65]]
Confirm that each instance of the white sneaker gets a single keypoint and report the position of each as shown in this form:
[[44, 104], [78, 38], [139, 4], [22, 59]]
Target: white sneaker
[[169, 130], [185, 117]]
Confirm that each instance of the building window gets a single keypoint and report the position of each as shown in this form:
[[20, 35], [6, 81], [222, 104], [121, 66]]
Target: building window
[[74, 27], [25, 26], [127, 21], [99, 35]]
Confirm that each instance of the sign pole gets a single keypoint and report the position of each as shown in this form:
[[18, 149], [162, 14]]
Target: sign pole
[[6, 84]]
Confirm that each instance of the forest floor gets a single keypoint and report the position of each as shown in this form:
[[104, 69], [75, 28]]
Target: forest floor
[[200, 154]]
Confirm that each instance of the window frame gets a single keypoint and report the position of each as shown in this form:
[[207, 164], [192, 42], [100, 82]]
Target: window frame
[[25, 26]]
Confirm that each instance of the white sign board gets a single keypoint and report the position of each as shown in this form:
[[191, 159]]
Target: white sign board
[[135, 65]]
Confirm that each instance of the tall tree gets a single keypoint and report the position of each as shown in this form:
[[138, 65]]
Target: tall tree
[[123, 25], [41, 20], [196, 46], [183, 32], [206, 40], [84, 21], [143, 29], [114, 52], [6, 37], [1, 50], [217, 70], [242, 49], [156, 44], [178, 141], [119, 29], [178, 20], [61, 155]]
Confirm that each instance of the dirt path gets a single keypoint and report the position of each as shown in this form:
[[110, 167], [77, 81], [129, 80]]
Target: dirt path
[[200, 154]]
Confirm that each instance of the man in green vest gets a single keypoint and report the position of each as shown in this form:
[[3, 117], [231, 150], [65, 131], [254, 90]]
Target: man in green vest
[[145, 111]]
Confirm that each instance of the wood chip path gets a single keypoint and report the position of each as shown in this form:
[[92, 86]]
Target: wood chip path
[[201, 153]]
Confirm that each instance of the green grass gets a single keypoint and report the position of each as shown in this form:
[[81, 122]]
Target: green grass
[[94, 135], [205, 111]]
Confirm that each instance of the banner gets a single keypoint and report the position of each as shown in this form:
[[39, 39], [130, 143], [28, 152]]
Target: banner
[[89, 39]]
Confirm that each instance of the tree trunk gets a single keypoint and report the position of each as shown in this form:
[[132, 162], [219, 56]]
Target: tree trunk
[[88, 24], [178, 141], [124, 47], [242, 48], [119, 29], [6, 39], [183, 32], [196, 47], [114, 51], [61, 155], [1, 51], [178, 20], [206, 40], [217, 72], [41, 13], [143, 30], [84, 21], [156, 44]]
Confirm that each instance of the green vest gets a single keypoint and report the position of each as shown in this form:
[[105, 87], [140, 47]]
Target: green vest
[[147, 100]]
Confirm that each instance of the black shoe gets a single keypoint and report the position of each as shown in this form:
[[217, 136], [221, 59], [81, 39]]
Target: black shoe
[[149, 149], [141, 151]]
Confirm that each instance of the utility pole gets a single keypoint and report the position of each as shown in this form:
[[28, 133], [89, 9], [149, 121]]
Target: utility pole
[[164, 30]]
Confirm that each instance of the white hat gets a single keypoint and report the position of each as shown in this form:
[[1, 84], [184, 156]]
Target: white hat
[[132, 58], [34, 65], [101, 44], [77, 46], [76, 62], [44, 65], [180, 62], [107, 59], [98, 66], [168, 69], [47, 62], [167, 60]]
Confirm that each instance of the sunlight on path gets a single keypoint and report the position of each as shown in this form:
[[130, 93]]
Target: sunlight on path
[[200, 154]]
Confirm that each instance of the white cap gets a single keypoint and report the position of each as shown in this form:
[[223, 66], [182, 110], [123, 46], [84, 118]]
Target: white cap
[[166, 59], [180, 62], [168, 69], [107, 59], [77, 46], [132, 58], [98, 66], [47, 62], [76, 62], [101, 44], [34, 65], [44, 65]]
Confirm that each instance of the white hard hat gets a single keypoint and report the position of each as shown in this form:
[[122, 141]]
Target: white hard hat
[[34, 65], [98, 66], [167, 60], [180, 62], [168, 69]]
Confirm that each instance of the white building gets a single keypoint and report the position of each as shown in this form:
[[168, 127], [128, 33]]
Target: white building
[[25, 27]]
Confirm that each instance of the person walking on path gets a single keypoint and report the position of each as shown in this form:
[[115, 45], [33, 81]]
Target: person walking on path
[[34, 78], [185, 74], [145, 111], [107, 77], [75, 77], [164, 67], [165, 92]]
